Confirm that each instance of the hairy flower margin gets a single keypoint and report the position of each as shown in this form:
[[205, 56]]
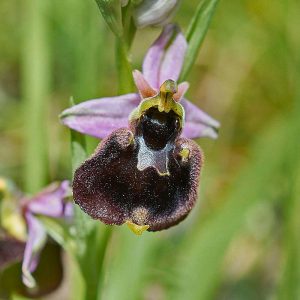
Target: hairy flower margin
[[145, 173], [163, 61], [25, 233]]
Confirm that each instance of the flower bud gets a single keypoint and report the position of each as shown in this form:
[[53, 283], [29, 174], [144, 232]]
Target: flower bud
[[154, 12]]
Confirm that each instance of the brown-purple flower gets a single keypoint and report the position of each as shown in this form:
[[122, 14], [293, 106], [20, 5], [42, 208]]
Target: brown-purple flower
[[144, 174]]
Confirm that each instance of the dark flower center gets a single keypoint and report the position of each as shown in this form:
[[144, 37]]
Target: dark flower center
[[158, 128]]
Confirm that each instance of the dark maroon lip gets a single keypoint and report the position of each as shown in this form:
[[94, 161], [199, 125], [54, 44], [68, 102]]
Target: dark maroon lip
[[116, 186]]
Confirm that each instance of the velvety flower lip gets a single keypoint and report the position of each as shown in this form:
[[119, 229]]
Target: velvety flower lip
[[146, 175], [163, 61]]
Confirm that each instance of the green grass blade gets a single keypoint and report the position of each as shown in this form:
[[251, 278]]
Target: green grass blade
[[196, 33], [202, 253], [127, 265], [36, 81], [289, 287]]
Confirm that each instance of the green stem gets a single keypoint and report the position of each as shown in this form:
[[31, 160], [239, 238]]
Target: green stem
[[125, 79], [36, 81], [123, 45]]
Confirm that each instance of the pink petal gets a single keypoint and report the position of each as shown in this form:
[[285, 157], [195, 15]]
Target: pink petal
[[193, 131], [143, 86], [153, 58], [182, 89], [173, 60], [35, 243], [99, 117], [198, 123], [51, 201]]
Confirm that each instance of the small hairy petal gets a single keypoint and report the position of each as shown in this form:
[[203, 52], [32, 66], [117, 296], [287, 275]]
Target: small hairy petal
[[152, 60], [198, 123], [182, 89], [173, 60], [35, 243], [154, 12], [99, 117], [143, 86], [51, 201]]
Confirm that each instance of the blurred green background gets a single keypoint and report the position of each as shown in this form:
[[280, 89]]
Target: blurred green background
[[242, 241]]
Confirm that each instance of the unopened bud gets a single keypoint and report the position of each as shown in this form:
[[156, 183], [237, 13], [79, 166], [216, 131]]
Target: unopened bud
[[154, 12]]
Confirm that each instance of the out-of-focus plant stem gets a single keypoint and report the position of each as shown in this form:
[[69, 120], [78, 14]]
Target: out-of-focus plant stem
[[289, 287], [123, 63], [123, 44], [121, 24], [36, 80], [290, 277]]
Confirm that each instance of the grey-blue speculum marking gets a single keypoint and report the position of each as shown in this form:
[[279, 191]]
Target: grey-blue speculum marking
[[145, 175]]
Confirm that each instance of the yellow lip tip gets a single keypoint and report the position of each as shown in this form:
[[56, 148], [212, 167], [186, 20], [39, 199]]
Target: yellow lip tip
[[136, 229], [184, 153]]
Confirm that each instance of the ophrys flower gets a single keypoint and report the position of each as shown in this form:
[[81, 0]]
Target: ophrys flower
[[144, 173]]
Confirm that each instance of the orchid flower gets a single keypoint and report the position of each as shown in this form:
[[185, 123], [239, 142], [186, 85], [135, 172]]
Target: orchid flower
[[15, 219], [144, 173]]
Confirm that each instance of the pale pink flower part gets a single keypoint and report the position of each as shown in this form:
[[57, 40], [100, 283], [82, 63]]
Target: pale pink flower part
[[163, 61], [51, 203]]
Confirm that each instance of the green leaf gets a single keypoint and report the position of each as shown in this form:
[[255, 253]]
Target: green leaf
[[127, 268], [112, 14], [196, 33], [91, 261]]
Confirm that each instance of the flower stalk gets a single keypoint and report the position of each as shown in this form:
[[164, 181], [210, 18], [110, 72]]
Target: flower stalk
[[36, 78]]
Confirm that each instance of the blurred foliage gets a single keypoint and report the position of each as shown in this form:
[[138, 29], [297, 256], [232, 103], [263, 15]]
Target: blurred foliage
[[242, 239]]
